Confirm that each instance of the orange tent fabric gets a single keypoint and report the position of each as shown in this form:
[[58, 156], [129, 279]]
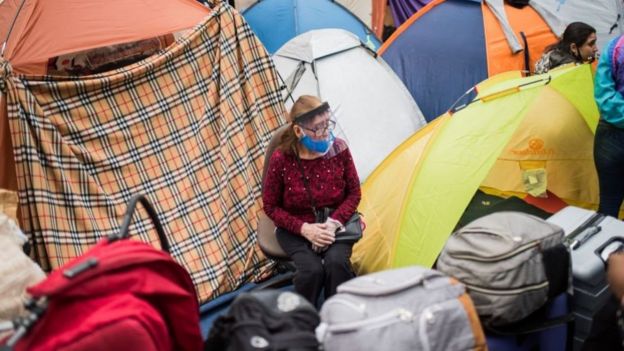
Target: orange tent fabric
[[448, 46], [500, 58], [45, 29]]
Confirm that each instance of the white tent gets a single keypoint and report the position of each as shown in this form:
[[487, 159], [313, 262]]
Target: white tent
[[374, 110], [607, 16]]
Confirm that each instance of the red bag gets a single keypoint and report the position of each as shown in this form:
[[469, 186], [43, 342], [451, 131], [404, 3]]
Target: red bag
[[120, 295]]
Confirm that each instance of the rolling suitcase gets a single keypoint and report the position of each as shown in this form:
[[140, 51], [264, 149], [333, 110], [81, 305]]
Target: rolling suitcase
[[121, 295], [591, 237]]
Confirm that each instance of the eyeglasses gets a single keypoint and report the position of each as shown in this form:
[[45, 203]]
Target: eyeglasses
[[321, 130]]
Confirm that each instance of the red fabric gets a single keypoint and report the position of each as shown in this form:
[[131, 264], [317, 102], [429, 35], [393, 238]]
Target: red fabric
[[100, 323], [551, 203], [333, 181], [132, 286]]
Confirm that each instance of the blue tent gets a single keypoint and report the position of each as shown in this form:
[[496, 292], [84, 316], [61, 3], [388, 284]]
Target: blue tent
[[277, 21], [449, 46]]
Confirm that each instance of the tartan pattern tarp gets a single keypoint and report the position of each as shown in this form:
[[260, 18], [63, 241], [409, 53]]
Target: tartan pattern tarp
[[187, 127]]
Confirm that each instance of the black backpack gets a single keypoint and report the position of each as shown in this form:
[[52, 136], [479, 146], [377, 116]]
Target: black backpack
[[266, 320]]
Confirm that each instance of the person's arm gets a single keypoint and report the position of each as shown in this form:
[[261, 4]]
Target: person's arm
[[272, 193], [615, 274], [346, 209], [610, 101]]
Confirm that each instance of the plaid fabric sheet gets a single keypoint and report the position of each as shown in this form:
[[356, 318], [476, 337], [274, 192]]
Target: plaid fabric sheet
[[187, 127]]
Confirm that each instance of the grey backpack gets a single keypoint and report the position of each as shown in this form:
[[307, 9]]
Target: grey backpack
[[511, 264], [403, 309]]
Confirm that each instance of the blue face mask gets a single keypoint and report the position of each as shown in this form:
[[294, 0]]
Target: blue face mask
[[318, 146]]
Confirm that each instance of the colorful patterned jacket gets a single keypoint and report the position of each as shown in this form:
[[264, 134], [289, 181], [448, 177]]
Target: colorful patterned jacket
[[609, 83]]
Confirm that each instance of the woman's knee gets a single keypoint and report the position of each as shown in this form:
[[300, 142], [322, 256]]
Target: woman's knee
[[336, 265], [310, 269], [338, 259]]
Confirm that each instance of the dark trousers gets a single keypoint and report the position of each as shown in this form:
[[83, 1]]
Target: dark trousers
[[609, 159], [316, 271]]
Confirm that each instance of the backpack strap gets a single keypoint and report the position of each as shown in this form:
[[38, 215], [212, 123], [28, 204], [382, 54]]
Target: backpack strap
[[556, 262], [124, 232]]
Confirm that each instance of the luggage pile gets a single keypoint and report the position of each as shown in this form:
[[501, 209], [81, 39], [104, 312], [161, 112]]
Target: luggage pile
[[503, 282], [507, 281]]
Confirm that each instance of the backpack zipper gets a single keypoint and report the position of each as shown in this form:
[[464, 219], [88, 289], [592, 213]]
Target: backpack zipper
[[427, 316], [500, 257], [392, 317], [515, 291], [378, 286], [359, 307]]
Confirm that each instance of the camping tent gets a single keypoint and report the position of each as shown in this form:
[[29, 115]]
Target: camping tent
[[607, 16], [371, 12], [46, 29], [185, 126], [374, 111], [516, 127], [451, 45], [277, 21]]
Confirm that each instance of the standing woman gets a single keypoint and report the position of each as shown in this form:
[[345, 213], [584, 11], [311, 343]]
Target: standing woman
[[309, 149], [578, 45], [609, 139]]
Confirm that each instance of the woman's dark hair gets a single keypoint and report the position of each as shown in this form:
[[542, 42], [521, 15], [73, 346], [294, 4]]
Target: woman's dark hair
[[575, 33]]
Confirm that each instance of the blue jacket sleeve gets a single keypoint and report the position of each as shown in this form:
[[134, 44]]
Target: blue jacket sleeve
[[610, 101]]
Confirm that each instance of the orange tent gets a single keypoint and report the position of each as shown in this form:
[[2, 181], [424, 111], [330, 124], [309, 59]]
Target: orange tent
[[33, 31], [450, 45]]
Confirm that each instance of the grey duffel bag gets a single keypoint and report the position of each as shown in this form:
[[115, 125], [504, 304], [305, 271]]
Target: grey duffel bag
[[511, 264], [402, 309]]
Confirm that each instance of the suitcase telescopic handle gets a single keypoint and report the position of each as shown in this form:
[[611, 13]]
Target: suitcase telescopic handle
[[124, 232]]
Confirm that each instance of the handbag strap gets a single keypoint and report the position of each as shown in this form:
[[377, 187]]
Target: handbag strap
[[306, 185]]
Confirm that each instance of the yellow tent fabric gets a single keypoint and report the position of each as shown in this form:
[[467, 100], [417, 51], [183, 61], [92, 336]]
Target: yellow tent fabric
[[413, 200]]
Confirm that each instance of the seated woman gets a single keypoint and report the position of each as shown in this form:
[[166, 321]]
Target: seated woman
[[311, 169], [578, 45]]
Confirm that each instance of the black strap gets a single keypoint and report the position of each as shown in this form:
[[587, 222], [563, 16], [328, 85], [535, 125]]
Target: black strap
[[524, 328], [556, 262], [615, 25], [527, 57], [306, 185], [125, 226]]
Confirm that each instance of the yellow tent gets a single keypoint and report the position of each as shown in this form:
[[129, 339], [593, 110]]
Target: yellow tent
[[539, 128]]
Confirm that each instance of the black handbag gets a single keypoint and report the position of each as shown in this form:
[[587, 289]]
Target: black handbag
[[352, 229], [350, 232]]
